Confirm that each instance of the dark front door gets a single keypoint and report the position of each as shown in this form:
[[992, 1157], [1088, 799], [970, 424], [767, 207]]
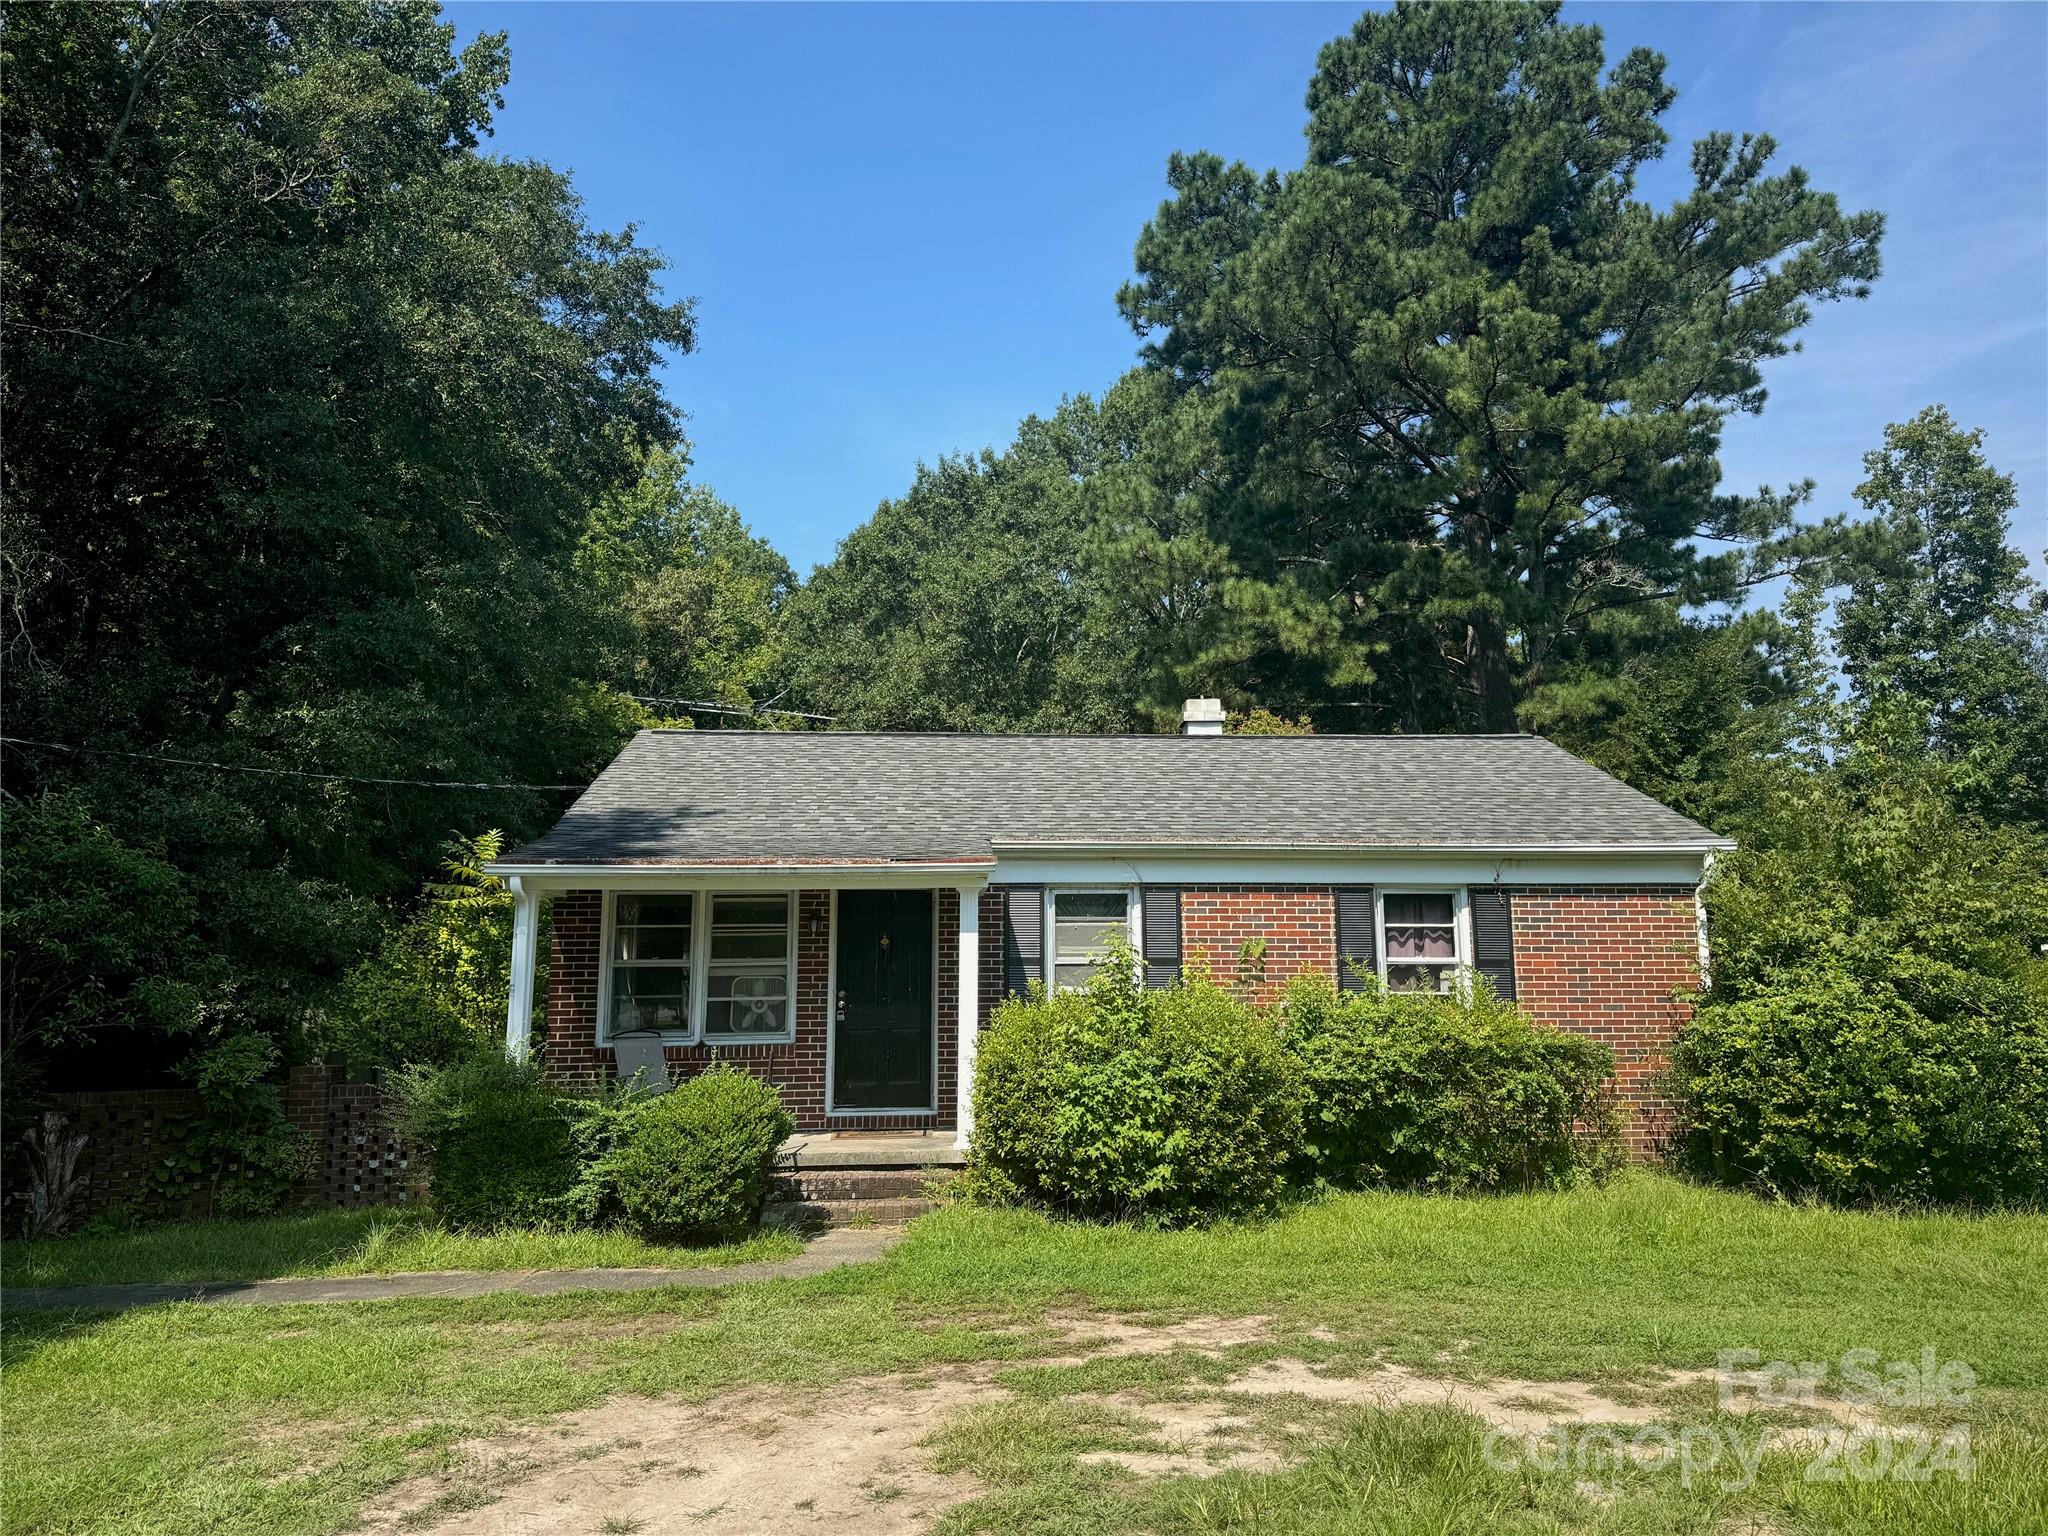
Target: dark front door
[[882, 1048]]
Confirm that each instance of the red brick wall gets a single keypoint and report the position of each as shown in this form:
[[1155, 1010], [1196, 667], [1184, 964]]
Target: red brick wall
[[356, 1160], [1607, 961], [796, 1068], [1297, 922]]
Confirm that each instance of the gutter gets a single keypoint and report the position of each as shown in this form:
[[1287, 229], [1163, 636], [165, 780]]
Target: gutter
[[1353, 850], [823, 867]]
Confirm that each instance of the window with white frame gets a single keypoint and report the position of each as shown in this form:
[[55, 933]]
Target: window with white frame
[[1419, 941], [700, 965], [650, 963], [747, 990], [1082, 923]]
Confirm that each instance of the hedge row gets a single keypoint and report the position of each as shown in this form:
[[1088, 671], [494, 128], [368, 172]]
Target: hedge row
[[1185, 1103]]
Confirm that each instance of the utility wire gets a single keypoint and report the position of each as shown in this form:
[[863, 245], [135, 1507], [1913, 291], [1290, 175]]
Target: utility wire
[[283, 773], [704, 707]]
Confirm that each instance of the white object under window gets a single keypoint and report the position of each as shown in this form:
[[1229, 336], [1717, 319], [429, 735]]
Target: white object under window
[[747, 971], [650, 963], [1081, 926], [1419, 940]]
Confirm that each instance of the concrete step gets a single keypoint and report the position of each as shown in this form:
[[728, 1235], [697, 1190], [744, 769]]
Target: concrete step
[[809, 1215], [852, 1184]]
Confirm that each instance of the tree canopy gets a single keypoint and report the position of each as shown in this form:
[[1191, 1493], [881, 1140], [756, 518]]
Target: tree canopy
[[1449, 392], [306, 403]]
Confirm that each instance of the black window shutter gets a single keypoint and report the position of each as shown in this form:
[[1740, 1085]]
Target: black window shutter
[[1023, 936], [1357, 949], [1493, 937], [1159, 928]]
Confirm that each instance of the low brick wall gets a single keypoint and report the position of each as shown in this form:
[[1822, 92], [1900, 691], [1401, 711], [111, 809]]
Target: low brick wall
[[356, 1159]]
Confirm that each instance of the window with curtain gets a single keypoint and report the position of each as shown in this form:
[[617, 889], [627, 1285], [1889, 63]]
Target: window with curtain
[[747, 971], [1082, 923], [650, 961], [1419, 938]]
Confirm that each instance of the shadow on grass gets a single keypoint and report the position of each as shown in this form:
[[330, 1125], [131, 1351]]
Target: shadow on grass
[[330, 1244]]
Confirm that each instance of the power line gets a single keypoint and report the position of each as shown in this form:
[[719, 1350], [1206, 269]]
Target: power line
[[283, 773], [705, 707]]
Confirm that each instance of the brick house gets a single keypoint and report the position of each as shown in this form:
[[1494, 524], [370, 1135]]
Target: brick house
[[840, 912]]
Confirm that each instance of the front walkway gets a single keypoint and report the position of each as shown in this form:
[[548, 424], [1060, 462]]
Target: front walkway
[[829, 1250]]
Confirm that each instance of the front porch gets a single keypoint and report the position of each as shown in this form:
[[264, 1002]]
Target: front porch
[[857, 994], [834, 1178]]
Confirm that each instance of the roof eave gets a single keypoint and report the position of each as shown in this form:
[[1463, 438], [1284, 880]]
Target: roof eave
[[1354, 850]]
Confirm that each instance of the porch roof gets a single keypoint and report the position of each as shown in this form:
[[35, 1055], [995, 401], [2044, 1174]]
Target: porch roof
[[746, 798]]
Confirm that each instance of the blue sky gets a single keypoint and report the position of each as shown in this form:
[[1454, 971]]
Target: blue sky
[[905, 225]]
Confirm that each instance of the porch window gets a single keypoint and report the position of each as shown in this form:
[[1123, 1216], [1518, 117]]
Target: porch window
[[1081, 926], [747, 995], [1419, 938], [650, 964]]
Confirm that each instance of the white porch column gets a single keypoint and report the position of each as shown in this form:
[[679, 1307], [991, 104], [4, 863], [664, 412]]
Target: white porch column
[[525, 938], [969, 1004]]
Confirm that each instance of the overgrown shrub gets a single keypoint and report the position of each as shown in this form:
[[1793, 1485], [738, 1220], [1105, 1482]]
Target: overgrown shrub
[[1444, 1092], [240, 1155], [434, 990], [1169, 1106], [1926, 1083], [497, 1136], [696, 1163]]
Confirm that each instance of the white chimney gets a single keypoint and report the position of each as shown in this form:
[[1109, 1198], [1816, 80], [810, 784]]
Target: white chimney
[[1201, 717]]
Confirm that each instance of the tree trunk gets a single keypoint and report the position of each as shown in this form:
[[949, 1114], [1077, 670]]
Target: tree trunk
[[1486, 667]]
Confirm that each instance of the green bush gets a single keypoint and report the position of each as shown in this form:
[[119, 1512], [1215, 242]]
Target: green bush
[[1928, 1082], [1432, 1092], [498, 1138], [696, 1163], [1169, 1106]]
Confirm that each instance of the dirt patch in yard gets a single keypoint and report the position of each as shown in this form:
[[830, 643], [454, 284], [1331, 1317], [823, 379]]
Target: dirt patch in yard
[[854, 1458]]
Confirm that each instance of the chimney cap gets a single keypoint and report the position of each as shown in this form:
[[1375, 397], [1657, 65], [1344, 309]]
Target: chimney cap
[[1201, 717]]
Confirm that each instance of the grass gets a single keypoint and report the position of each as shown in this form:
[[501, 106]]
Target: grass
[[189, 1419], [376, 1241]]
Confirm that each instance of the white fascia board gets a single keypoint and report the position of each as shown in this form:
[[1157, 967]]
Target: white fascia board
[[742, 877], [1041, 865]]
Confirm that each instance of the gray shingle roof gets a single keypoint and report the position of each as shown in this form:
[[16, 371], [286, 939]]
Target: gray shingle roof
[[715, 797]]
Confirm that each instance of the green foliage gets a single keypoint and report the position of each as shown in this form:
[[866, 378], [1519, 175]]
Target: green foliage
[[1171, 1106], [698, 1161], [1877, 1022], [968, 603], [696, 598], [307, 404], [91, 926], [1445, 1093], [1941, 624], [435, 990], [498, 1139], [239, 1156], [1926, 1082], [1433, 403], [1260, 721]]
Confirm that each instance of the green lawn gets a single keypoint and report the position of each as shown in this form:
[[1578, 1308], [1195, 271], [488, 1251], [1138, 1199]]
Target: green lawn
[[193, 1419], [377, 1241]]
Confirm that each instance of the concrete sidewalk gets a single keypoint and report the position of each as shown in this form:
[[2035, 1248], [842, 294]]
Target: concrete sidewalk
[[829, 1250]]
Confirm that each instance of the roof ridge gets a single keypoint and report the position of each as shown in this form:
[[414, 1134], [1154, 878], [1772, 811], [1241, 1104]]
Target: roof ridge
[[665, 730]]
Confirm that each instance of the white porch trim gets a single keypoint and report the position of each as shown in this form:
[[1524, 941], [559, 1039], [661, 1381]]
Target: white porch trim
[[525, 940], [968, 1000]]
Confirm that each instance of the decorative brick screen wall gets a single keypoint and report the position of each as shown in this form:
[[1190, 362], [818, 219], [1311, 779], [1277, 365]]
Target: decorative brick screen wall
[[797, 1067], [1298, 924], [356, 1159], [125, 1138]]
